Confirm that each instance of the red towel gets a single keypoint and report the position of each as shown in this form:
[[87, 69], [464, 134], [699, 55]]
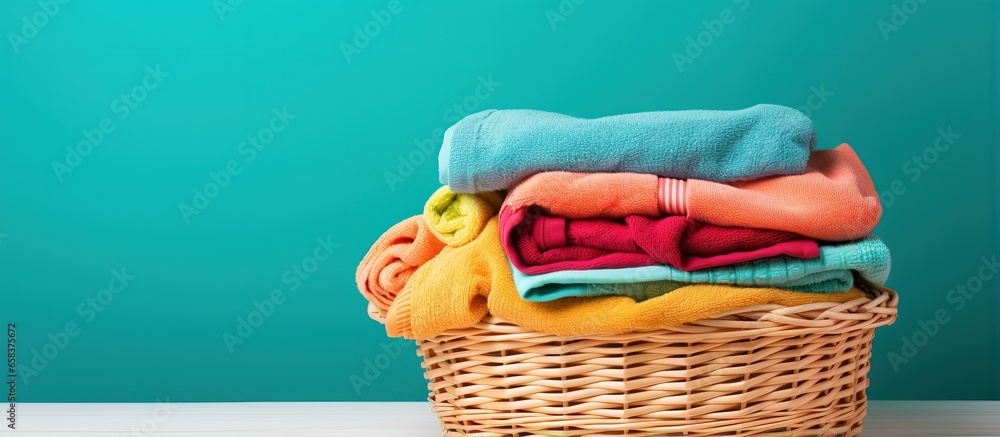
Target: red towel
[[538, 243]]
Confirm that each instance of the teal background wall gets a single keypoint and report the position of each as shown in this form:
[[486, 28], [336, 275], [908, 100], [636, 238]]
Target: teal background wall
[[885, 81]]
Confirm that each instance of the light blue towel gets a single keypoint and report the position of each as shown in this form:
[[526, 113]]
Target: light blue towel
[[830, 273], [496, 149]]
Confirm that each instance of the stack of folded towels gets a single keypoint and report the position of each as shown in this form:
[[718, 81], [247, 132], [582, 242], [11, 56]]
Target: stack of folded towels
[[633, 222]]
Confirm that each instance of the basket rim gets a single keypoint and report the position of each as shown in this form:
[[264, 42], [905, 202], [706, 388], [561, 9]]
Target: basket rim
[[879, 304]]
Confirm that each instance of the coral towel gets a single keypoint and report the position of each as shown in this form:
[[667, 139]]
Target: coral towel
[[833, 200]]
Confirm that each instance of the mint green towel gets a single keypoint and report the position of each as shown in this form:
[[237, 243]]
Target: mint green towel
[[832, 272]]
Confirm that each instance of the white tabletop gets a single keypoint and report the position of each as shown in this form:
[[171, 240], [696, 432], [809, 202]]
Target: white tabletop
[[403, 419]]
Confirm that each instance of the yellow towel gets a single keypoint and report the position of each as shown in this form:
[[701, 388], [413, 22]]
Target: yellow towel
[[462, 284], [457, 218]]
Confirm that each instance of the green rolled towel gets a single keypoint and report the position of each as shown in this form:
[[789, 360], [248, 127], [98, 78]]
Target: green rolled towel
[[457, 218]]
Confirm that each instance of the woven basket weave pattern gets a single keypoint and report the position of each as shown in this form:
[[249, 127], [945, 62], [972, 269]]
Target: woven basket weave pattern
[[763, 371]]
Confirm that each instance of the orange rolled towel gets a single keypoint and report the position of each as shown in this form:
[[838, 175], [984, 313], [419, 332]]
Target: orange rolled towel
[[391, 261]]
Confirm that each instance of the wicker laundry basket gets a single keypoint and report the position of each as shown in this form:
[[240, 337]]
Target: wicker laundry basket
[[766, 370]]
